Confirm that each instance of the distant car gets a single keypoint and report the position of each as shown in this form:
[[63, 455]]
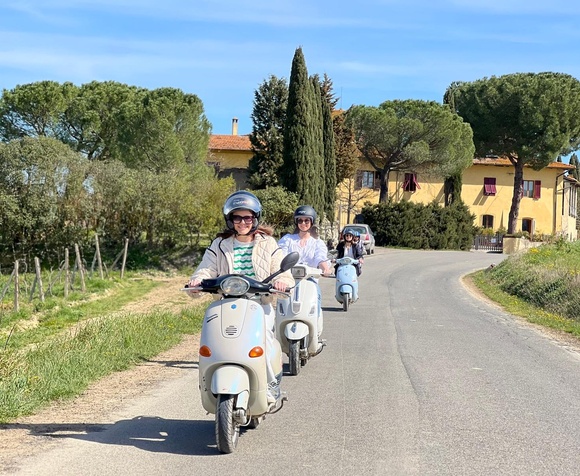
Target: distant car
[[366, 236]]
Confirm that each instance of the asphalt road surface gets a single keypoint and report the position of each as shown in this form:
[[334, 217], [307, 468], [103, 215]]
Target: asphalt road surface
[[419, 377]]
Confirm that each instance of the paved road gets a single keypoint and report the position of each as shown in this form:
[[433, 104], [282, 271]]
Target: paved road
[[418, 378]]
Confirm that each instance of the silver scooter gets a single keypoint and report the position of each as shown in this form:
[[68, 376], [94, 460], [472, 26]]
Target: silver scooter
[[299, 320], [232, 355]]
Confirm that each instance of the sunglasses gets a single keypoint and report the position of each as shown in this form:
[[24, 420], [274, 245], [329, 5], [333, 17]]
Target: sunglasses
[[302, 220], [246, 219]]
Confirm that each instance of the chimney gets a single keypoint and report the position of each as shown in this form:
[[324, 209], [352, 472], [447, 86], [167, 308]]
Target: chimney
[[235, 126]]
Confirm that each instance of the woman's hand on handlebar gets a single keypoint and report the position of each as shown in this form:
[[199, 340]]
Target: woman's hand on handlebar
[[193, 283], [280, 286]]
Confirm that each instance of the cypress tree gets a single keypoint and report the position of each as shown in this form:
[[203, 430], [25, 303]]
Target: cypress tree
[[318, 179], [329, 157], [297, 173], [576, 163]]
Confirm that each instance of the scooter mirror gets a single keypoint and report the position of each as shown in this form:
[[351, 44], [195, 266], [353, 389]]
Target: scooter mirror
[[289, 260]]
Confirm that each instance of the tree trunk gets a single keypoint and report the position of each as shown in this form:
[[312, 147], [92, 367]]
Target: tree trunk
[[384, 179], [517, 197]]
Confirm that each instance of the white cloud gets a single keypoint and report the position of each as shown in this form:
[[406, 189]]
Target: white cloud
[[519, 7]]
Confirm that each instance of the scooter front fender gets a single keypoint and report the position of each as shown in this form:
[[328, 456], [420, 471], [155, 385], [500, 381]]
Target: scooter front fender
[[296, 330], [230, 379], [344, 289]]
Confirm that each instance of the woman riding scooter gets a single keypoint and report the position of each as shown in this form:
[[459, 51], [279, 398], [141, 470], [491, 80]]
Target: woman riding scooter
[[348, 247], [248, 248], [304, 240], [313, 252]]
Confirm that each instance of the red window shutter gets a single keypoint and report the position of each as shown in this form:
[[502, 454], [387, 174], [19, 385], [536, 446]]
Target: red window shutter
[[406, 182], [489, 186], [415, 181], [537, 188]]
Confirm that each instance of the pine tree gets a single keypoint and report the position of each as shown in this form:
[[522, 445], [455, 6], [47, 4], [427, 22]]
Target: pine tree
[[328, 92], [297, 173], [267, 137]]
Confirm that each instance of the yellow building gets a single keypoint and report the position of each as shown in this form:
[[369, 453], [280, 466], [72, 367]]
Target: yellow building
[[548, 205], [230, 155]]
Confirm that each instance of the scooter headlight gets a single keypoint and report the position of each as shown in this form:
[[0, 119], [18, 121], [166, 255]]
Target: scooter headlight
[[298, 272], [235, 286]]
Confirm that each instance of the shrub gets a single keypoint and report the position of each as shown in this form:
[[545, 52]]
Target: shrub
[[414, 225]]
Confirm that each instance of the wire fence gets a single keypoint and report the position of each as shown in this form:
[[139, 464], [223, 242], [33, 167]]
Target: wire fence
[[23, 283]]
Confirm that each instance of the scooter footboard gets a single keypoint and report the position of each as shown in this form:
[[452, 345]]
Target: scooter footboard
[[230, 379]]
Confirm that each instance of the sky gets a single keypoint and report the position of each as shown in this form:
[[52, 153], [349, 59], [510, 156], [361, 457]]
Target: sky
[[223, 50]]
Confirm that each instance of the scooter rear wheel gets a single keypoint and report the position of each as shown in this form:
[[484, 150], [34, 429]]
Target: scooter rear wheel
[[227, 431], [294, 357]]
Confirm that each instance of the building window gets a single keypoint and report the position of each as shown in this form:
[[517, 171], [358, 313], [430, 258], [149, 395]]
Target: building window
[[532, 188], [410, 184], [489, 186], [487, 221], [370, 179], [528, 225], [573, 201]]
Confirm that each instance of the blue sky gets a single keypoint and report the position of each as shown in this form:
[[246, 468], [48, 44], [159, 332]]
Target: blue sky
[[222, 50]]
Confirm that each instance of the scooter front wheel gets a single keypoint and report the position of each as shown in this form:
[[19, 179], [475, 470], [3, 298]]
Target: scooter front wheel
[[294, 357], [345, 302], [227, 431]]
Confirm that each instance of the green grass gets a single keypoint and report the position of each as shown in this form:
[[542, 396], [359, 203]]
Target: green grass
[[55, 314], [541, 285], [64, 365], [54, 349]]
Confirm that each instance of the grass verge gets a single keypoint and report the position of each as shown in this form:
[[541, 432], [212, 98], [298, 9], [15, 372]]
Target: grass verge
[[522, 308], [63, 366], [39, 320]]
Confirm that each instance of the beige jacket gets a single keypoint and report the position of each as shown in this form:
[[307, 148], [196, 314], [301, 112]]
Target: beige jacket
[[218, 259]]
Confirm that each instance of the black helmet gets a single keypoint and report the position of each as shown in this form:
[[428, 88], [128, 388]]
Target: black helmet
[[305, 211], [242, 200]]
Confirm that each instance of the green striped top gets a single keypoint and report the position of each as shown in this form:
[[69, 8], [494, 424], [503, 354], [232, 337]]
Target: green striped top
[[243, 258]]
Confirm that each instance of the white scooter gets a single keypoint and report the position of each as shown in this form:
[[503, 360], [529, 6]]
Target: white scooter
[[299, 322], [232, 355], [346, 281]]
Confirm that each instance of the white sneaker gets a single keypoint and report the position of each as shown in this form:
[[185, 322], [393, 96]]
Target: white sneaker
[[273, 392]]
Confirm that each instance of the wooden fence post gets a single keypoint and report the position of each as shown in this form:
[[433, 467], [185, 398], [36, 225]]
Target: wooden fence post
[[98, 255], [16, 288], [80, 267], [39, 278], [124, 257], [66, 274]]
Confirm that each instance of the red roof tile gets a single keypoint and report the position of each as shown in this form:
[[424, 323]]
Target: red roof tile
[[503, 162], [229, 142]]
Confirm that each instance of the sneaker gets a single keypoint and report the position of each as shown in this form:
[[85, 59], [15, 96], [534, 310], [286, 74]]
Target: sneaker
[[273, 392]]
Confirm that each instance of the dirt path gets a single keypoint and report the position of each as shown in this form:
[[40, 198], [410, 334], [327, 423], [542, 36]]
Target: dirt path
[[28, 436]]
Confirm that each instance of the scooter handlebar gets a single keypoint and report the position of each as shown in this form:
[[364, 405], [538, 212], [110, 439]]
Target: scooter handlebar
[[285, 293]]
